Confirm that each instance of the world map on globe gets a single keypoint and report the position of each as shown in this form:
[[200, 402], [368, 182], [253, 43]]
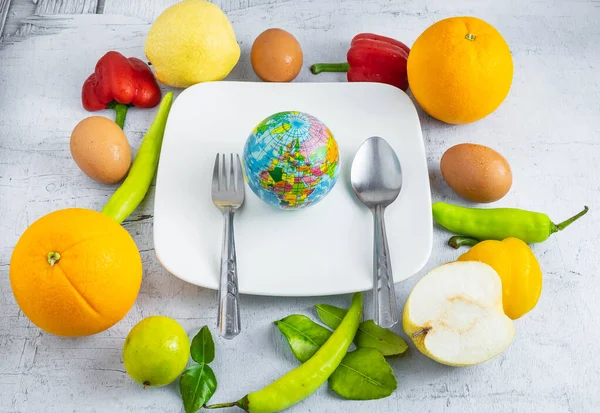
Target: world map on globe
[[291, 160]]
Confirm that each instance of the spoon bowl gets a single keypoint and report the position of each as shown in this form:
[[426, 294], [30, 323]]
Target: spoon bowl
[[376, 174]]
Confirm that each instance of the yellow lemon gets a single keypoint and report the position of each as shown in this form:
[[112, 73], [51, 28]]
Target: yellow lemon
[[192, 42]]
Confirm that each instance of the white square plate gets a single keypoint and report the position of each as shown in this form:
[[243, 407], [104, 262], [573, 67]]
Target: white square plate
[[324, 249]]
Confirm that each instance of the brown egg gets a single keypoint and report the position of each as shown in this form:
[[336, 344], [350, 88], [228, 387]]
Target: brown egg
[[276, 56], [100, 148], [476, 172]]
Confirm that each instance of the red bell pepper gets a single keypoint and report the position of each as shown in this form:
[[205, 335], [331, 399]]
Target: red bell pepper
[[372, 58], [119, 82]]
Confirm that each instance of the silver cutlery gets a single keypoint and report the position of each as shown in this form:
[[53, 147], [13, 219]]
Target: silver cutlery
[[376, 178], [228, 195]]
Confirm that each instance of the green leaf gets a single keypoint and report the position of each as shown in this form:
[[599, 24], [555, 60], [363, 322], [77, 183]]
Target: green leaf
[[203, 346], [331, 315], [304, 336], [369, 334], [197, 385], [363, 375]]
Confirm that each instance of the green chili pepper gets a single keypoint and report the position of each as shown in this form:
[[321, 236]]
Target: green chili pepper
[[497, 223], [304, 380], [134, 188]]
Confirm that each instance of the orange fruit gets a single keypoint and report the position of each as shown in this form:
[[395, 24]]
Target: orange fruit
[[460, 69], [75, 272]]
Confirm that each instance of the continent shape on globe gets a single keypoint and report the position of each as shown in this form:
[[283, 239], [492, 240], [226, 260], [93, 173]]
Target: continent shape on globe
[[291, 160]]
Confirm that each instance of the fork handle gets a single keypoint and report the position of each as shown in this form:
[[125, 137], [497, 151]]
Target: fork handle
[[229, 311], [384, 295]]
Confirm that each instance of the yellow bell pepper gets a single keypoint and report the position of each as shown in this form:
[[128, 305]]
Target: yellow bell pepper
[[519, 271]]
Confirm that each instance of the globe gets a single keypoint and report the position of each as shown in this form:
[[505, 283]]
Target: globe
[[291, 160]]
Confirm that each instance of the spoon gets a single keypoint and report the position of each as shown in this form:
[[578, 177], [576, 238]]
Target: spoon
[[376, 178]]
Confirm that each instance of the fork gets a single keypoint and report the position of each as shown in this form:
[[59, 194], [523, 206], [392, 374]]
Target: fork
[[228, 195]]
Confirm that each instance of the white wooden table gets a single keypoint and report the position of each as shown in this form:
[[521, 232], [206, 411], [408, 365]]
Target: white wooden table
[[548, 128]]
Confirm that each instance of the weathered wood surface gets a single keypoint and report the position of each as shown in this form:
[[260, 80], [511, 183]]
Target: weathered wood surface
[[4, 5], [547, 128], [149, 10], [20, 9]]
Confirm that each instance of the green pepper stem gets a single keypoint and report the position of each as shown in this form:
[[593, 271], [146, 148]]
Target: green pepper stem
[[458, 241], [569, 221], [221, 405], [239, 404], [121, 113], [329, 67]]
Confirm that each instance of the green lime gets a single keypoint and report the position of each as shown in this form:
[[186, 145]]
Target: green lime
[[156, 351]]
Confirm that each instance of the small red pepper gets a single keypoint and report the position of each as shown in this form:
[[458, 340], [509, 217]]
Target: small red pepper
[[372, 58], [119, 82]]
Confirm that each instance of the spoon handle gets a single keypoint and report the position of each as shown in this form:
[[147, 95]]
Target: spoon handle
[[385, 308]]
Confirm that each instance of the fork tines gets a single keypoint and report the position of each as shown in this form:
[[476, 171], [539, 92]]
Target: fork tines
[[228, 176]]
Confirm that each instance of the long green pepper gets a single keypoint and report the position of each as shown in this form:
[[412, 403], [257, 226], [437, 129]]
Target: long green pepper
[[497, 223], [304, 380], [134, 188]]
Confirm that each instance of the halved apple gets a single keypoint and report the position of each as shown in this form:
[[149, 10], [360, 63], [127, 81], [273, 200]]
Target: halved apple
[[454, 314]]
